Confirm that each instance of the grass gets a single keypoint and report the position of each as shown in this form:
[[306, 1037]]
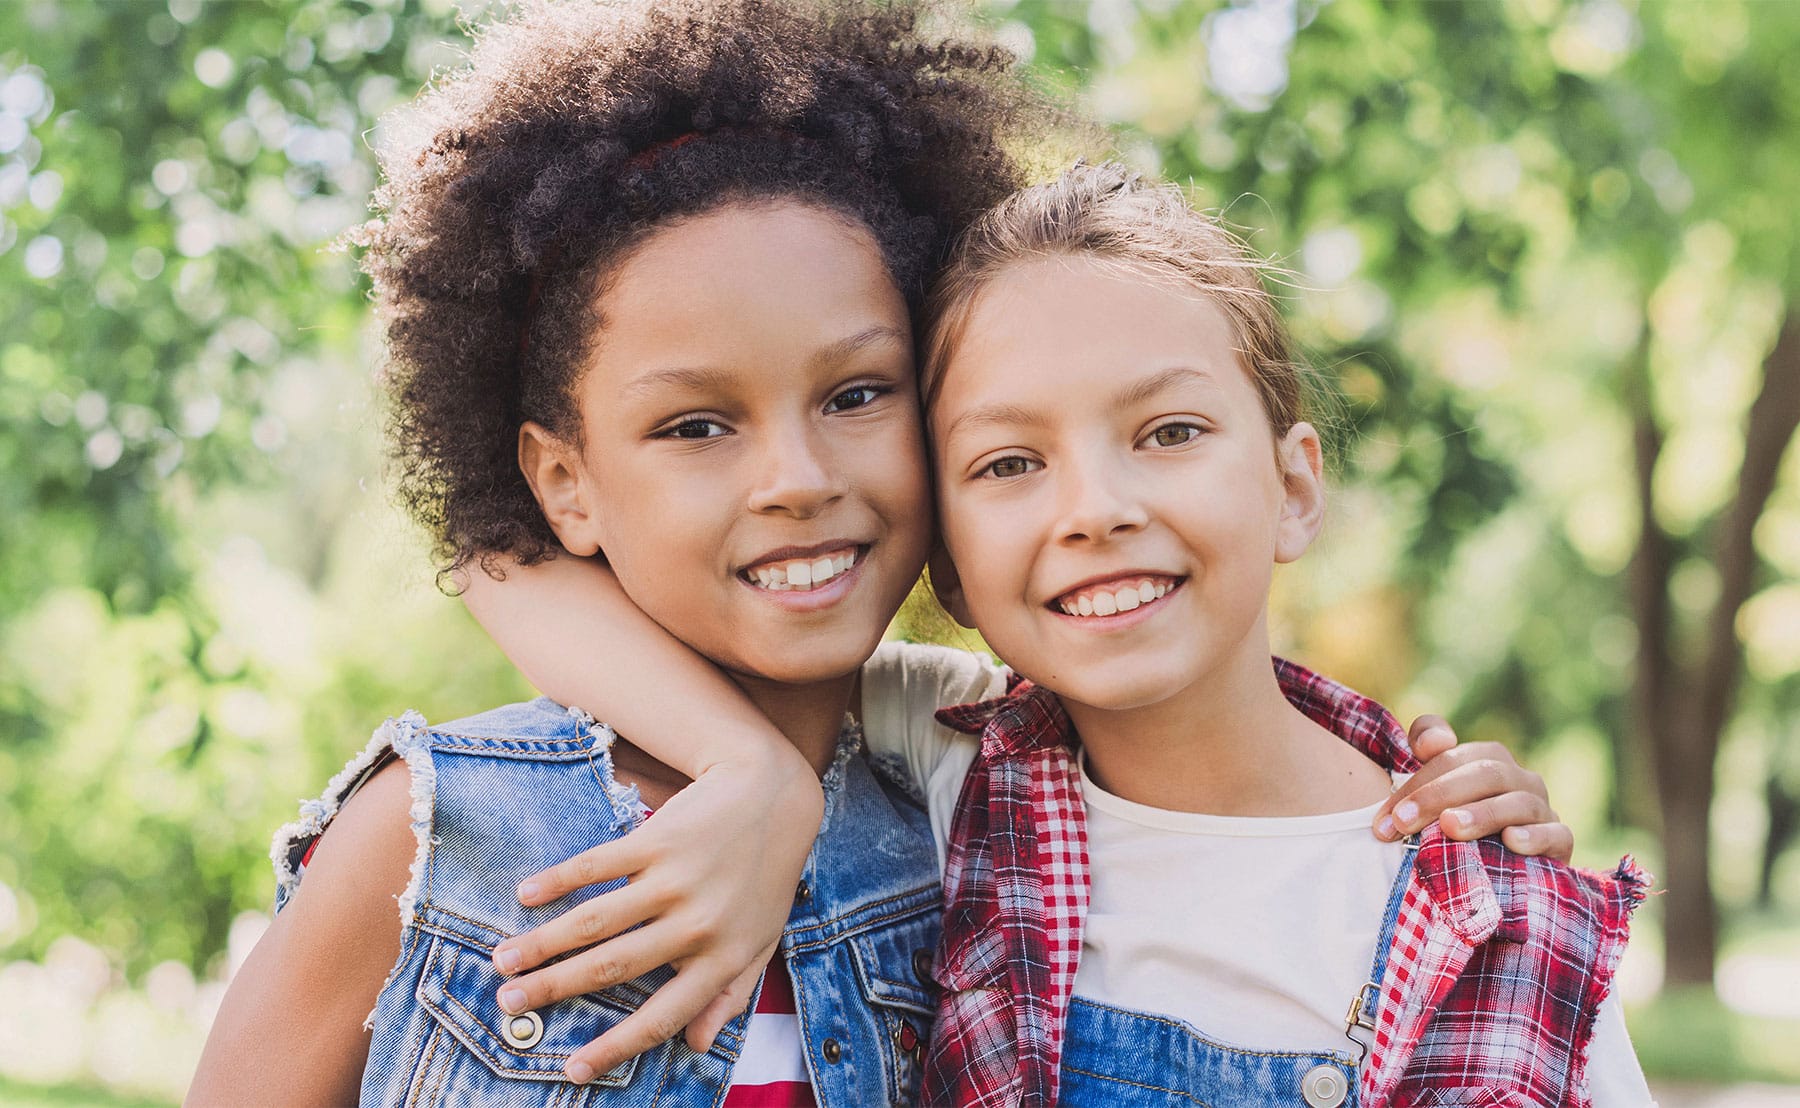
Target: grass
[[15, 1095], [1687, 1035]]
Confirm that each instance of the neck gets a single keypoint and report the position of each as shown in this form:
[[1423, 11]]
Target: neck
[[1229, 743], [811, 716]]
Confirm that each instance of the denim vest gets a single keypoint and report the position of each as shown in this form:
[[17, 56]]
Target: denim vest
[[501, 795]]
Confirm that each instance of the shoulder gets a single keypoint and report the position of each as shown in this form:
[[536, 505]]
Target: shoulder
[[362, 866], [929, 676], [542, 721], [1482, 882]]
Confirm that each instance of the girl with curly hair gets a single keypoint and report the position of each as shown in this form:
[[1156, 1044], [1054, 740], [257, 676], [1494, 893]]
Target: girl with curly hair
[[648, 277]]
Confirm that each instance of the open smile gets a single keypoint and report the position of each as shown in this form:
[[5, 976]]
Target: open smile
[[1115, 595], [803, 571]]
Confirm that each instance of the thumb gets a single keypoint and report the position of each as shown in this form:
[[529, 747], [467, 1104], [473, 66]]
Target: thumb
[[1430, 736]]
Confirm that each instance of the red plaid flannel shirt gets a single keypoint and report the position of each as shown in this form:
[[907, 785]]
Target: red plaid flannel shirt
[[1497, 970]]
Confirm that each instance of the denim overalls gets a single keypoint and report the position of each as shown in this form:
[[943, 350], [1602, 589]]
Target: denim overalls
[[1112, 1056], [501, 795]]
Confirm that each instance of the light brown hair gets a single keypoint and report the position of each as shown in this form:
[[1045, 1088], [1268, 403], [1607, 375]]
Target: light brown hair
[[1110, 213]]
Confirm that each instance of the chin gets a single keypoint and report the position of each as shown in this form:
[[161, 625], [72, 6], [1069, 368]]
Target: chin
[[810, 659], [1122, 689]]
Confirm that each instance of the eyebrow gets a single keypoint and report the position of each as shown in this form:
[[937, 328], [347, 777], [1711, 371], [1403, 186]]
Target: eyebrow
[[698, 379], [1160, 382], [843, 348], [1017, 415]]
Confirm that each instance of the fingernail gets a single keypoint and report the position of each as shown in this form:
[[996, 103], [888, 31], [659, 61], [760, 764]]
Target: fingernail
[[580, 1072], [1522, 837], [1385, 829], [508, 960], [513, 1000], [1405, 812], [1459, 817], [528, 890]]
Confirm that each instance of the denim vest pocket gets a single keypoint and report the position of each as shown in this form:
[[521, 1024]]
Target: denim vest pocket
[[888, 960], [459, 986], [893, 962]]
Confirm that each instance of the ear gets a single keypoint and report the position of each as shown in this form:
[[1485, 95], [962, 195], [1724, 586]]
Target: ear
[[564, 491], [947, 583], [1301, 460]]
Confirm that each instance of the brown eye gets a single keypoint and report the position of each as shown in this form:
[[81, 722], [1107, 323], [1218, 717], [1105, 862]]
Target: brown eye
[[1010, 467], [694, 429], [859, 397], [1175, 434]]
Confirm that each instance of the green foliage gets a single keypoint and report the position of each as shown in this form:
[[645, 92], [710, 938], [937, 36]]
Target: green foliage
[[1510, 227], [181, 356]]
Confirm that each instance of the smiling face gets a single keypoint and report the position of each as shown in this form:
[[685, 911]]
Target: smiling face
[[1111, 493], [751, 462]]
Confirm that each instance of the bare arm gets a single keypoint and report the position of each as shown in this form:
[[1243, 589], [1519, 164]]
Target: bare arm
[[574, 634], [712, 877], [290, 1028]]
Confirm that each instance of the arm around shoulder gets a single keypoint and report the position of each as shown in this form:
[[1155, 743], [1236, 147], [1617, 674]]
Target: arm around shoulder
[[290, 1028]]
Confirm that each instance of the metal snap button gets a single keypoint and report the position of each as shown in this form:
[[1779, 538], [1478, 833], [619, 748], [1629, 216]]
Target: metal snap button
[[1324, 1086], [833, 1052], [922, 967], [803, 893], [523, 1031]]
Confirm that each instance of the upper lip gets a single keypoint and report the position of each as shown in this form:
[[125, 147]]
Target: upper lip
[[795, 553], [1118, 576]]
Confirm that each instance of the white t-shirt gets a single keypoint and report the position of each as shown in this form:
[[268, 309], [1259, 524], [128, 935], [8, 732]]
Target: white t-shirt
[[1273, 965]]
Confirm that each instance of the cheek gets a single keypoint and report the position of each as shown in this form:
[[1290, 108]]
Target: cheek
[[901, 469]]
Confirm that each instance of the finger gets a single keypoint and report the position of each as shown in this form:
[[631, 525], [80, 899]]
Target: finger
[[1387, 819], [1422, 801], [704, 1028], [1430, 736], [1494, 814], [658, 1020], [1555, 841], [587, 923], [619, 959], [607, 862]]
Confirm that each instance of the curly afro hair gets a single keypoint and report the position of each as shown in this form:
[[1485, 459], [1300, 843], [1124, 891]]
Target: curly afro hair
[[514, 186]]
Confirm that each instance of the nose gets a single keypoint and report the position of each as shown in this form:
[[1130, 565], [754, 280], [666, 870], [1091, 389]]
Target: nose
[[797, 475], [1097, 504]]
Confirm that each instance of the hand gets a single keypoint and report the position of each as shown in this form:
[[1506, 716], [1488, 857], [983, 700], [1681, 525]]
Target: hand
[[711, 877], [1471, 792]]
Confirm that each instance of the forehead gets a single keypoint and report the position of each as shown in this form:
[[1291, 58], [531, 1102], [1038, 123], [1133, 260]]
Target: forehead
[[779, 277], [1086, 324]]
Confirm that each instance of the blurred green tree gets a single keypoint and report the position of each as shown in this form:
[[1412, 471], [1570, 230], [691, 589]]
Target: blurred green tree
[[1497, 208]]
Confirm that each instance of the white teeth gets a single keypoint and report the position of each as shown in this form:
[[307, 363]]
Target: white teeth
[[1122, 600], [801, 574]]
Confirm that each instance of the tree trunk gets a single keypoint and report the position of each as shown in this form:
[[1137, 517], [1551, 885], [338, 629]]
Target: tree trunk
[[1652, 692], [1685, 708], [1784, 820]]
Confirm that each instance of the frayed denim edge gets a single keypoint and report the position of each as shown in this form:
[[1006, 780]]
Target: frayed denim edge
[[626, 801], [849, 743], [408, 737]]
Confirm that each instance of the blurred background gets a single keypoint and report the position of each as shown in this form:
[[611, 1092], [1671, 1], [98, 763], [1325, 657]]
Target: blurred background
[[1545, 252]]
